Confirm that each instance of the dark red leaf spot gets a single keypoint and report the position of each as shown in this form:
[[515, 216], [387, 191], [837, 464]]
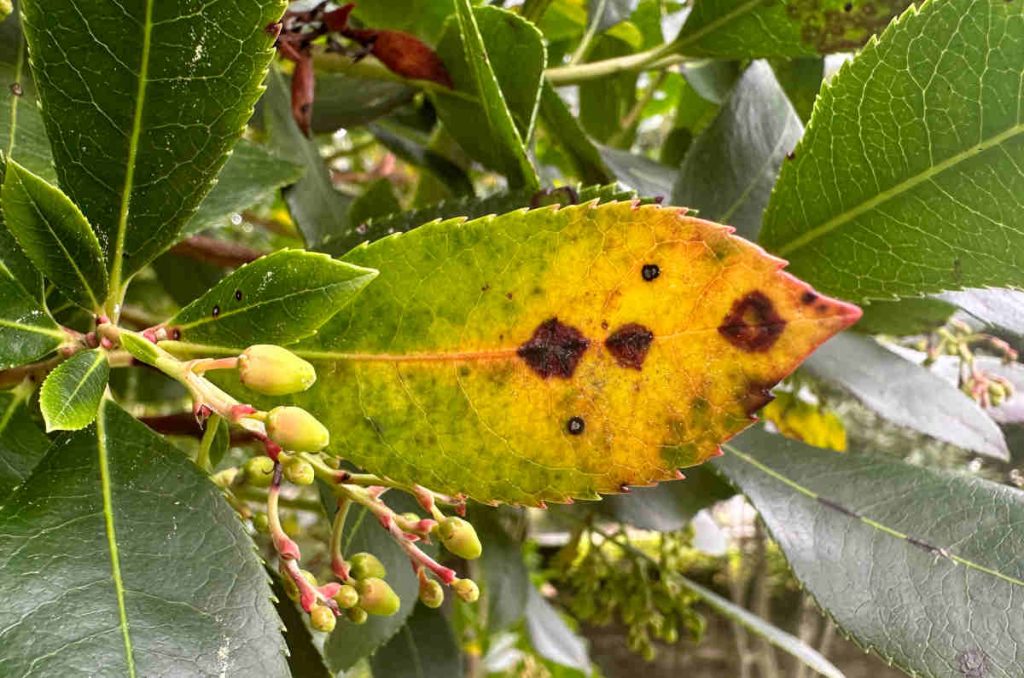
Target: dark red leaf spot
[[554, 350], [508, 295], [808, 297], [757, 397], [575, 426], [238, 295], [791, 155], [176, 334], [629, 345], [753, 324], [650, 272], [16, 89]]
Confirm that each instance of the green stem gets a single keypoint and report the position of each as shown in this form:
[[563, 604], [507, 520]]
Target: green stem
[[660, 57], [338, 564], [203, 458]]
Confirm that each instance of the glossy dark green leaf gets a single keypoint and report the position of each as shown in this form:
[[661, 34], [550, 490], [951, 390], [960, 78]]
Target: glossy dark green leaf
[[350, 643], [506, 581], [763, 28], [250, 175], [118, 557], [551, 637], [342, 101], [185, 279], [606, 101], [142, 102], [892, 387], [72, 392], [55, 236], [565, 130], [377, 200], [728, 172], [647, 177], [422, 152], [425, 647], [935, 207], [22, 442], [904, 317], [277, 299], [27, 332], [667, 507], [917, 565], [22, 133], [496, 61], [304, 659], [801, 78], [317, 208], [999, 308]]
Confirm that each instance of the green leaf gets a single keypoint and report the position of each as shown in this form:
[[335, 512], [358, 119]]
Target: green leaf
[[551, 637], [912, 563], [22, 442], [738, 29], [506, 581], [728, 172], [934, 207], [71, 394], [604, 102], [423, 648], [142, 104], [667, 507], [496, 61], [647, 177], [250, 175], [457, 367], [904, 317], [892, 387], [350, 643], [22, 133], [304, 659], [318, 209], [277, 299], [801, 78], [55, 236], [117, 528], [377, 200], [27, 332], [564, 129], [423, 153], [1002, 309], [344, 102], [424, 18]]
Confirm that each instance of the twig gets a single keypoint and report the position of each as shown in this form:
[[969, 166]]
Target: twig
[[217, 252], [761, 602], [652, 59]]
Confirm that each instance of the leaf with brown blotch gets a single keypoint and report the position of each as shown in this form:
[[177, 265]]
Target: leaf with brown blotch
[[553, 354]]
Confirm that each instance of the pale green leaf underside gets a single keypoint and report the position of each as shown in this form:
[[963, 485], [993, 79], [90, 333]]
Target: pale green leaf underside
[[277, 299], [909, 178], [935, 584], [27, 332], [142, 102], [72, 392], [55, 236], [119, 556]]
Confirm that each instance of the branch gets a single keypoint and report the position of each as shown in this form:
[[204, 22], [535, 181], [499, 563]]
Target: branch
[[657, 58], [217, 252]]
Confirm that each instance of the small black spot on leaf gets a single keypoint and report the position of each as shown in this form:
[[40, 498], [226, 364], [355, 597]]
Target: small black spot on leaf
[[629, 345], [753, 324], [238, 295], [216, 311], [176, 334], [16, 89], [575, 426], [848, 7], [554, 350], [650, 272]]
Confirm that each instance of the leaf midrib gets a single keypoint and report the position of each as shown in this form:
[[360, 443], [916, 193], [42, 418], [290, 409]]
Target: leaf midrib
[[56, 334], [907, 184], [19, 65], [108, 518], [133, 149], [874, 524]]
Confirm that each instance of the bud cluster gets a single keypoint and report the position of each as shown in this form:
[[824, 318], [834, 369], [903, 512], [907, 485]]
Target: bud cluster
[[608, 583], [960, 340]]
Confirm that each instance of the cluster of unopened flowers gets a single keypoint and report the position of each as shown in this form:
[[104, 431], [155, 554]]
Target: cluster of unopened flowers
[[293, 440], [959, 339]]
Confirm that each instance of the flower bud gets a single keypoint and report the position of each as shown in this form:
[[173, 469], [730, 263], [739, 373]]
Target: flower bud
[[346, 597], [299, 472], [259, 471], [459, 537], [272, 370], [322, 619], [356, 615], [431, 593], [366, 565], [261, 523], [467, 590], [377, 597], [293, 428]]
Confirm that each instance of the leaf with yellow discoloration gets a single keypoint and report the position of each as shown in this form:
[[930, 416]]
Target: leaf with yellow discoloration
[[557, 353]]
